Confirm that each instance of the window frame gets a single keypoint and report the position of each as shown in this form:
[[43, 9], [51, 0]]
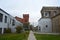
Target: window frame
[[5, 19], [1, 17], [13, 22], [47, 13]]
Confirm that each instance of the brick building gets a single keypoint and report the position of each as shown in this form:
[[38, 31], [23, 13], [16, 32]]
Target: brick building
[[24, 20], [19, 19]]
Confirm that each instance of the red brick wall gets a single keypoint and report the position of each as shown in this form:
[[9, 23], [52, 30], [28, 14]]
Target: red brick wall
[[19, 19], [25, 18]]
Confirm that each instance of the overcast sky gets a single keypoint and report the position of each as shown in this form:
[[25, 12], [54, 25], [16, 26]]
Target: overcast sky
[[31, 7]]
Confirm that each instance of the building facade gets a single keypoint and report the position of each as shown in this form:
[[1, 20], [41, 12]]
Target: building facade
[[56, 21], [26, 21], [56, 24], [8, 21], [45, 23], [52, 13]]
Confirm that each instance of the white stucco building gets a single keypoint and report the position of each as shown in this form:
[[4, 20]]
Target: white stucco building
[[6, 20], [45, 23]]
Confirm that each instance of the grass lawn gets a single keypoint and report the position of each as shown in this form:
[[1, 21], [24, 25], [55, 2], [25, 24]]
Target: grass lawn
[[47, 37], [17, 36]]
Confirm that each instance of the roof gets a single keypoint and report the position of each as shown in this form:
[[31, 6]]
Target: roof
[[19, 19], [4, 11], [50, 8]]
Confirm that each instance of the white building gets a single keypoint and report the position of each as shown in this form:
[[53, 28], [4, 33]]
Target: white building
[[45, 23], [6, 20]]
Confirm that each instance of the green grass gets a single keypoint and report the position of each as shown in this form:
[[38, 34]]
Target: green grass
[[17, 36], [47, 37]]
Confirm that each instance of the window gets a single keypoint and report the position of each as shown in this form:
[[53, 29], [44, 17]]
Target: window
[[0, 30], [13, 23], [46, 26], [45, 14], [5, 19], [1, 17], [39, 28]]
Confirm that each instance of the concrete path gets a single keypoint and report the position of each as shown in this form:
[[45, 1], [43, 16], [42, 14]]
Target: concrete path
[[31, 36]]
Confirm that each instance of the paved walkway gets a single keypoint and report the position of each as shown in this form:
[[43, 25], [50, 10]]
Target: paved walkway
[[31, 36]]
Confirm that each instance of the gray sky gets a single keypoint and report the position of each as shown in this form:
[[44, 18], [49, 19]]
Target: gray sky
[[31, 7]]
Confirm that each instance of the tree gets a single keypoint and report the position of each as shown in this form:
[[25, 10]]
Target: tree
[[26, 26], [19, 29]]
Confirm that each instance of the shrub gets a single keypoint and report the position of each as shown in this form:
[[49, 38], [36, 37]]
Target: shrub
[[7, 30], [19, 29]]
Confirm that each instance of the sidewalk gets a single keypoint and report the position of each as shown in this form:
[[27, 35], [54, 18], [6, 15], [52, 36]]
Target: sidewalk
[[31, 36]]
